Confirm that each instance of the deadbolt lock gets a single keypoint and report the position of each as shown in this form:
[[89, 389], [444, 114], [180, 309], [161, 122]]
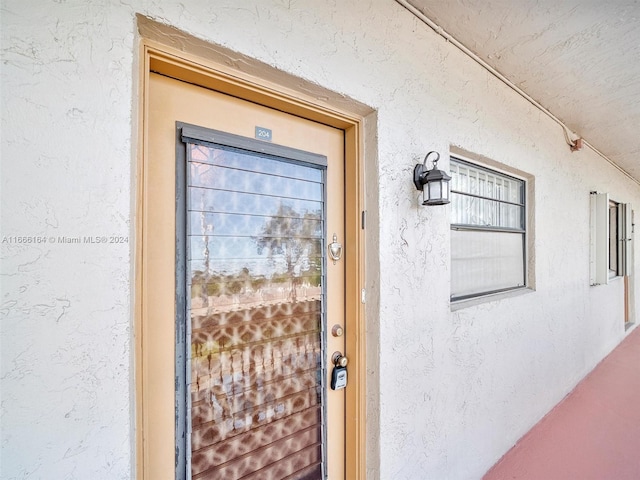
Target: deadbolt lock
[[337, 330]]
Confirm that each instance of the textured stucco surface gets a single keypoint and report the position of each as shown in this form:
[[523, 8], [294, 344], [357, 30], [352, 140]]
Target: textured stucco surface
[[581, 60], [450, 392]]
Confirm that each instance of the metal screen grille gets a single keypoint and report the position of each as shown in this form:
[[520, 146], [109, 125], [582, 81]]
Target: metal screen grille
[[255, 230], [486, 199]]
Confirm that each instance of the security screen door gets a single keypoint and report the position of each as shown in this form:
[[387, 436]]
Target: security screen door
[[258, 197]]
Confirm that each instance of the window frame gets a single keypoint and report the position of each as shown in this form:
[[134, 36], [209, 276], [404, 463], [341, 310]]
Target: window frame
[[522, 230], [615, 254], [611, 225]]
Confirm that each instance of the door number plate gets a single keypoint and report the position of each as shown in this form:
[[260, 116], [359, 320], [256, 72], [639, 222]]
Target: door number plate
[[264, 134]]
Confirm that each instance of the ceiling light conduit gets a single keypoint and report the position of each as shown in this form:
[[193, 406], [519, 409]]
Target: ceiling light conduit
[[574, 145]]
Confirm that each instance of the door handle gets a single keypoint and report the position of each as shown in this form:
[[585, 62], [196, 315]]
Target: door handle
[[339, 360]]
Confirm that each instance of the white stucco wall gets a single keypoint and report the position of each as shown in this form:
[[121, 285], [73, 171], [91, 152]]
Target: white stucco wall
[[456, 389]]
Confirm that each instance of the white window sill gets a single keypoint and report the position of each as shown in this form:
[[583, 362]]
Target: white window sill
[[492, 297]]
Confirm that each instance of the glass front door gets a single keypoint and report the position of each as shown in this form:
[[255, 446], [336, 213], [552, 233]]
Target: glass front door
[[238, 304]]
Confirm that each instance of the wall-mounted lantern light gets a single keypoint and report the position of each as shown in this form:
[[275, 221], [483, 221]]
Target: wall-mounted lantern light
[[434, 183]]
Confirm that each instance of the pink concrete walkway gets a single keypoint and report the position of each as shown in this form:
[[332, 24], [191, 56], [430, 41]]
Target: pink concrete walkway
[[593, 434]]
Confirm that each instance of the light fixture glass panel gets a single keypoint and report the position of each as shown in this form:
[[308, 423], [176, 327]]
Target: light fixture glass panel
[[435, 190], [445, 190]]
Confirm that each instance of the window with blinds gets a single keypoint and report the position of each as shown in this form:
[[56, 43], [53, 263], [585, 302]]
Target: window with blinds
[[488, 231]]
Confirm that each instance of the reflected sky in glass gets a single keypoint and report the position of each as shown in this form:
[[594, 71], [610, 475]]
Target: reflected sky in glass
[[254, 215]]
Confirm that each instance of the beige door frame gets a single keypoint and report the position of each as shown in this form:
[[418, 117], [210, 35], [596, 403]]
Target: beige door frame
[[155, 57]]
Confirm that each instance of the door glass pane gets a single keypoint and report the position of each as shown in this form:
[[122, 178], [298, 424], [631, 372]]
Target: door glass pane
[[255, 228]]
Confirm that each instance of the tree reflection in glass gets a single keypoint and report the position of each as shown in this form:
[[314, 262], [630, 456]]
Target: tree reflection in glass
[[255, 246]]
